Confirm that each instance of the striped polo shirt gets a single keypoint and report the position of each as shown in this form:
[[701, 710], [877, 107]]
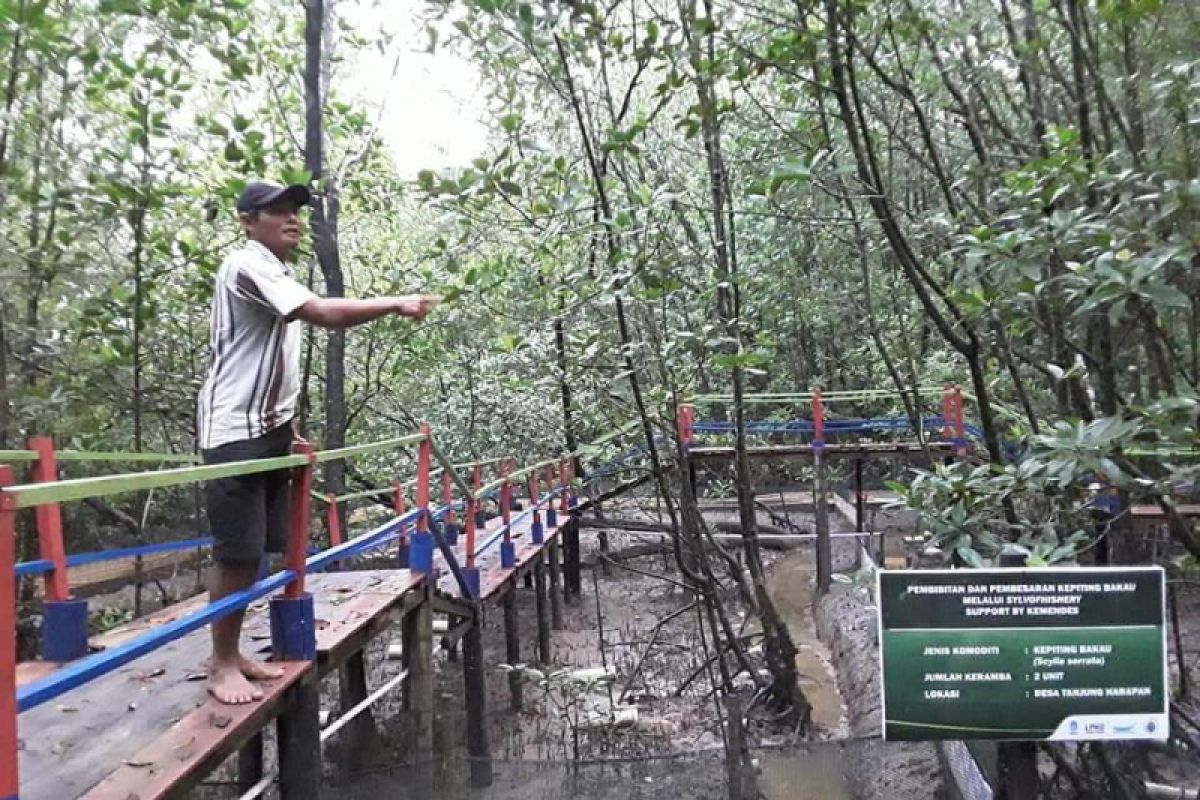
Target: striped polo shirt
[[253, 383]]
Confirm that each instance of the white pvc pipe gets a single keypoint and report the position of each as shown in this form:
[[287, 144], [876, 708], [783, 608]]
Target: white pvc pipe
[[257, 789]]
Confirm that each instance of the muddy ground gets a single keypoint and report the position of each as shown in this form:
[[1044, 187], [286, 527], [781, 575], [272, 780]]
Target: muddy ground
[[669, 742]]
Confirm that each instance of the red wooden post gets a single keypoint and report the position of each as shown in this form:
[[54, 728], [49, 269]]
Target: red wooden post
[[508, 553], [49, 523], [960, 428], [686, 420], [334, 521], [505, 496], [297, 546], [472, 504], [9, 783], [424, 459], [421, 552], [536, 531]]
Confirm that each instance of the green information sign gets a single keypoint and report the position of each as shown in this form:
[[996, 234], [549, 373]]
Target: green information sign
[[1061, 654]]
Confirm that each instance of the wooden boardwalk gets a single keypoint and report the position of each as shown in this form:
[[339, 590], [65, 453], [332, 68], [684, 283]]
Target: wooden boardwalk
[[72, 744], [151, 726]]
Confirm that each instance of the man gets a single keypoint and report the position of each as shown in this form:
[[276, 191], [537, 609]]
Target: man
[[247, 405]]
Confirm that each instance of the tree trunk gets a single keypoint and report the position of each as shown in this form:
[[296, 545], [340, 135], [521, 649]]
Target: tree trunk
[[779, 648], [325, 232]]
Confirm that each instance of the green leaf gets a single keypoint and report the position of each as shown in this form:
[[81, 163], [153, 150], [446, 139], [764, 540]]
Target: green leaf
[[969, 556], [510, 122], [1162, 294]]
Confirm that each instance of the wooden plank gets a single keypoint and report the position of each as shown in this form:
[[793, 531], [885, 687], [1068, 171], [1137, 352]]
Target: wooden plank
[[74, 742], [30, 671], [1155, 512], [137, 627], [194, 745]]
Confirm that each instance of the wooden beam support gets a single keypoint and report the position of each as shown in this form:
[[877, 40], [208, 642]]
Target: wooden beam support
[[299, 736], [250, 763], [543, 617], [360, 732], [821, 523], [418, 648], [512, 649], [570, 536], [556, 612], [478, 752]]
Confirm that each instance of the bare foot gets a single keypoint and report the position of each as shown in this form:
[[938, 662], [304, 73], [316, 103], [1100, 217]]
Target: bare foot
[[259, 670], [229, 686]]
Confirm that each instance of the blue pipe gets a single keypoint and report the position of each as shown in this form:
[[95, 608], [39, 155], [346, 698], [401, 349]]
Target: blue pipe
[[87, 669]]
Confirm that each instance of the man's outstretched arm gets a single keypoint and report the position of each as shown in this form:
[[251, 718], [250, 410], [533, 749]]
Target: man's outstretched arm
[[342, 312]]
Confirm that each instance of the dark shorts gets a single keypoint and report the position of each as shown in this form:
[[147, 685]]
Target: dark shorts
[[248, 515]]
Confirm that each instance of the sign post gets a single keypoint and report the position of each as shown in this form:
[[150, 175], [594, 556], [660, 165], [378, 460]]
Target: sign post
[[1024, 654]]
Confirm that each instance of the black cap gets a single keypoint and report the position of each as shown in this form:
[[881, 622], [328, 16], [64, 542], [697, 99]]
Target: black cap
[[260, 194]]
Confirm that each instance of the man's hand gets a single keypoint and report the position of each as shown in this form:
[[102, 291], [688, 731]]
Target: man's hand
[[416, 306], [297, 437]]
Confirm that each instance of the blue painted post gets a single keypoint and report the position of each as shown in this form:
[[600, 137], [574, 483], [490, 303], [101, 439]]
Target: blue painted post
[[293, 628], [293, 620], [65, 618], [508, 553], [421, 553], [471, 572], [294, 638]]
